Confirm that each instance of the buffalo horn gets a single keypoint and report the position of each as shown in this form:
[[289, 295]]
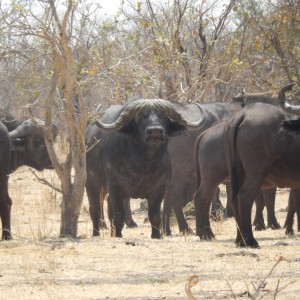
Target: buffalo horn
[[24, 129], [130, 110], [294, 109]]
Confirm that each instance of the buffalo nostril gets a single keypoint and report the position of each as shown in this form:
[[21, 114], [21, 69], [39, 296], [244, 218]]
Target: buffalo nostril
[[155, 132]]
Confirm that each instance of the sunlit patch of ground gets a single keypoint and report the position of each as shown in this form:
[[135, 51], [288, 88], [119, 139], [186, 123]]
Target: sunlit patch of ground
[[37, 264]]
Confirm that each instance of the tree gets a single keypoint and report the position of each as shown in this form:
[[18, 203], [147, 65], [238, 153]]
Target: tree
[[64, 76], [184, 36], [265, 41]]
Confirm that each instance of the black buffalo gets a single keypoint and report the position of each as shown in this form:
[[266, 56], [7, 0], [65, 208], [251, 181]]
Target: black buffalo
[[262, 149], [26, 147], [5, 201], [182, 186], [211, 169], [127, 157], [293, 207]]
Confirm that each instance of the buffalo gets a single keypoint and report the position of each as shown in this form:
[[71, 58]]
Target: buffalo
[[26, 147], [211, 169], [182, 186], [5, 201], [128, 157], [262, 149]]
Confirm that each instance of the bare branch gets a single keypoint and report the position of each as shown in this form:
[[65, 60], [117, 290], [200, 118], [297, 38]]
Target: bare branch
[[46, 182]]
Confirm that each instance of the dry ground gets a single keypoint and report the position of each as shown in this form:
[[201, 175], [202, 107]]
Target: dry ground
[[37, 264]]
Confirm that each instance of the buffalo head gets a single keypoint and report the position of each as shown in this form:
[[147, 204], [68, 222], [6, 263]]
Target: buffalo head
[[28, 145], [151, 119]]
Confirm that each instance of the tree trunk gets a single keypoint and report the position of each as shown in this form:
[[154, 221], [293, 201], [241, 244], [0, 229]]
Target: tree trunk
[[70, 210]]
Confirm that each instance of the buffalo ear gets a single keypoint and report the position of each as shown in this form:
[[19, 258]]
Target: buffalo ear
[[176, 129], [291, 126], [18, 144]]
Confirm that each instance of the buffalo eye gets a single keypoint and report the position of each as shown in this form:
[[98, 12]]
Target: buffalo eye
[[160, 114], [142, 116], [37, 142]]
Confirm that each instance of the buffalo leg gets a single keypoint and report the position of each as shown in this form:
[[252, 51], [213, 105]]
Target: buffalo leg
[[246, 197], [265, 198], [102, 219], [259, 223], [293, 207], [174, 198], [127, 212], [130, 223], [289, 221], [93, 192], [202, 200], [116, 212], [296, 199], [182, 223], [5, 208], [235, 208], [217, 208], [269, 200], [229, 209], [154, 216], [166, 214]]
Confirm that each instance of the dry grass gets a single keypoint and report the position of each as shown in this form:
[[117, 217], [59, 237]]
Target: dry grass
[[37, 264]]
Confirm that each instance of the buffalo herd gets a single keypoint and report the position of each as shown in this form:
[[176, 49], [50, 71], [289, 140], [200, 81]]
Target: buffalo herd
[[170, 153]]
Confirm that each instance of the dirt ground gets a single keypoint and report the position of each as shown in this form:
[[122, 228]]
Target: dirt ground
[[37, 264]]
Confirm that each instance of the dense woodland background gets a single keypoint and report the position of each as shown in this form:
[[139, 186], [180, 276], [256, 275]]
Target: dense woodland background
[[185, 50]]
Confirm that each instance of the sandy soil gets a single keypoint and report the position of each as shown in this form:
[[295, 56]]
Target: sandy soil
[[37, 264]]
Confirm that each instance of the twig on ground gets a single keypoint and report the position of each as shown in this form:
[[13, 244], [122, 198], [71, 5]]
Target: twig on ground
[[231, 290], [192, 281], [263, 282]]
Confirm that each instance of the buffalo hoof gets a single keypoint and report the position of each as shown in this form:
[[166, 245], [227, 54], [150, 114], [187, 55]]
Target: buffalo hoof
[[206, 234], [116, 233], [259, 226], [6, 237], [156, 235], [187, 231], [274, 226], [131, 224], [247, 242], [96, 232], [168, 232], [289, 231]]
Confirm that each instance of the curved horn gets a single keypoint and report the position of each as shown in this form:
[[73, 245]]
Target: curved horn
[[294, 109], [120, 115], [22, 130], [116, 116], [25, 128], [189, 115]]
